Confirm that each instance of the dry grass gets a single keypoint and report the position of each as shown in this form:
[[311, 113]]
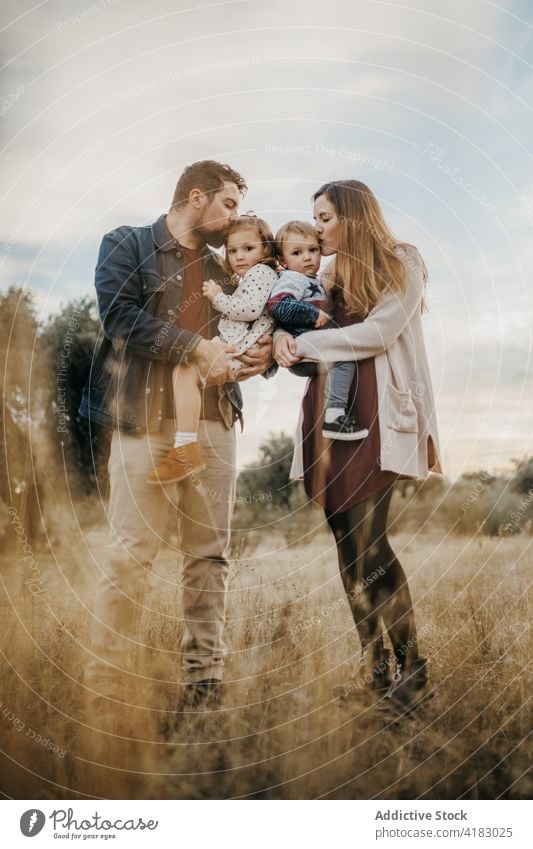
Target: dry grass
[[280, 734]]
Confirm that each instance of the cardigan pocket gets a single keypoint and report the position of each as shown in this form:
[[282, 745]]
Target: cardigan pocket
[[402, 415]]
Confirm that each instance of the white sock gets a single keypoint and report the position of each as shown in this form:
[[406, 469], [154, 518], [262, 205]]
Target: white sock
[[181, 437], [333, 413]]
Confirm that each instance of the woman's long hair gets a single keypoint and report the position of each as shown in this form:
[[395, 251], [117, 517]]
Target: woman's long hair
[[367, 263]]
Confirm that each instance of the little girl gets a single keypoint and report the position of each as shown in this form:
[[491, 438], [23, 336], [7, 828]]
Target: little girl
[[250, 259]]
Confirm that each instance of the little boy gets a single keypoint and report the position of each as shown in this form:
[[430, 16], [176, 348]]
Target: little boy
[[298, 302]]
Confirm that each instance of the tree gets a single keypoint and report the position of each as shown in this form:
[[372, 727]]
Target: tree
[[269, 475], [268, 502], [68, 342], [522, 480], [20, 366]]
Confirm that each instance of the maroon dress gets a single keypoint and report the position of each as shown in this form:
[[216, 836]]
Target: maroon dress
[[339, 474]]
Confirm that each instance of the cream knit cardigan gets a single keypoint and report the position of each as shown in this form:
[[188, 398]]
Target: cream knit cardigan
[[392, 334]]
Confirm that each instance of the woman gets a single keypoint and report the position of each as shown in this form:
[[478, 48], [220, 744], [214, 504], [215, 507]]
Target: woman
[[376, 286]]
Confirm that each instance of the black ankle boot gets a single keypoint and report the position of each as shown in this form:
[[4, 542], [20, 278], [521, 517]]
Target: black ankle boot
[[378, 673], [409, 687], [372, 675]]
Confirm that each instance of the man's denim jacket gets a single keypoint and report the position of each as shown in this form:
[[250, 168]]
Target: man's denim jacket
[[126, 384]]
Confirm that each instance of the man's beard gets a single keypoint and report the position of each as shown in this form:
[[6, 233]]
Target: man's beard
[[214, 238]]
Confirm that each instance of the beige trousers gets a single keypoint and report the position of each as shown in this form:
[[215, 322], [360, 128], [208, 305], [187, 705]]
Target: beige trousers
[[138, 517]]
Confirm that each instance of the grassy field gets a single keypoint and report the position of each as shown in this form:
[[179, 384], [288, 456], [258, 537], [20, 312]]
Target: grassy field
[[281, 732]]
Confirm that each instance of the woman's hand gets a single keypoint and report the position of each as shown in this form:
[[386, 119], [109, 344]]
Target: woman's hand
[[284, 350], [210, 289], [322, 319]]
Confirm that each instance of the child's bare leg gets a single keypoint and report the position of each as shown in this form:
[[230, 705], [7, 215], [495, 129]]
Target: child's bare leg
[[187, 402], [184, 458]]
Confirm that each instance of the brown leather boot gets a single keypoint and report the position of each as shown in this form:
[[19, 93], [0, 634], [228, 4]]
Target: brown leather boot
[[180, 463]]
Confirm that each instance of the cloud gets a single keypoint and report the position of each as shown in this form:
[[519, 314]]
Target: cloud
[[104, 104]]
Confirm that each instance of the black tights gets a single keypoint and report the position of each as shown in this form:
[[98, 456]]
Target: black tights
[[374, 581]]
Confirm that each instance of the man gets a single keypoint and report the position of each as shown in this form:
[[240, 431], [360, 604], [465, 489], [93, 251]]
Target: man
[[149, 287]]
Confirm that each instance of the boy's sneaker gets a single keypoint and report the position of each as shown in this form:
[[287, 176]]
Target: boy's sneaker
[[344, 427], [180, 463]]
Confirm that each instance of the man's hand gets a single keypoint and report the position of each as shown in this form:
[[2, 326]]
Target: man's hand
[[322, 319], [212, 362], [210, 289], [255, 360], [285, 350]]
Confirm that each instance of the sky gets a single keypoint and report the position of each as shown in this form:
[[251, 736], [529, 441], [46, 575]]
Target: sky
[[104, 103]]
